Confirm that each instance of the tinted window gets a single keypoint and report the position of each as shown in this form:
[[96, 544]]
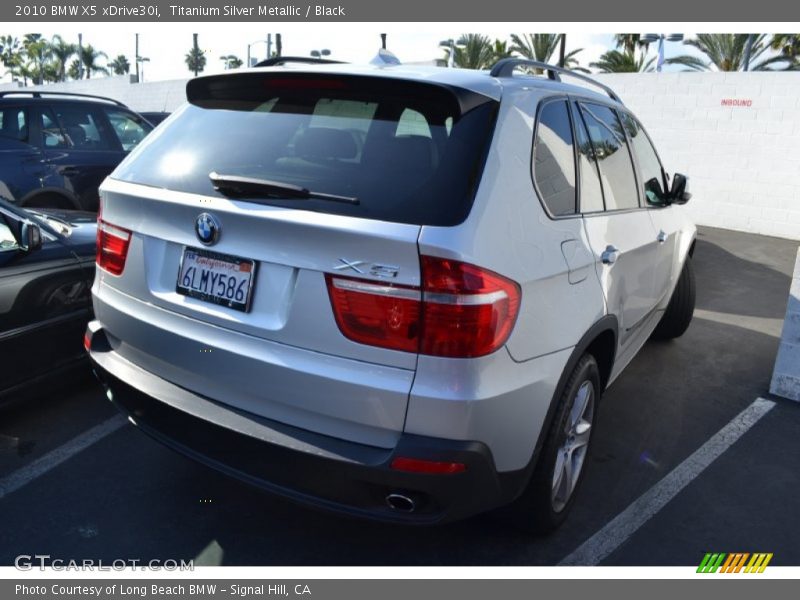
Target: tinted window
[[384, 142], [591, 197], [130, 130], [14, 124], [84, 127], [649, 165], [554, 159], [613, 158], [52, 136]]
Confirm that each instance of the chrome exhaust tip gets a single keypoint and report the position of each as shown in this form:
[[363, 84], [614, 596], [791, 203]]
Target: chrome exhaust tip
[[400, 503]]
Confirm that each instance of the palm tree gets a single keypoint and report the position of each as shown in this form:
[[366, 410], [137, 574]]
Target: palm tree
[[536, 46], [501, 50], [541, 47], [22, 70], [74, 70], [615, 61], [9, 50], [726, 51], [629, 41], [195, 60], [89, 56], [472, 51], [231, 61], [120, 65], [62, 51], [788, 44], [38, 52]]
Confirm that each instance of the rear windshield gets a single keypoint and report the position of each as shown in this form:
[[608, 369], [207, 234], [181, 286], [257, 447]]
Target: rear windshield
[[408, 152]]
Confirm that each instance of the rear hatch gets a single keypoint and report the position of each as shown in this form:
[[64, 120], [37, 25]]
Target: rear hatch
[[276, 179]]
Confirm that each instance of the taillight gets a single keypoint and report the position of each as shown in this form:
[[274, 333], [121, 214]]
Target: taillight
[[112, 246], [461, 311], [379, 315]]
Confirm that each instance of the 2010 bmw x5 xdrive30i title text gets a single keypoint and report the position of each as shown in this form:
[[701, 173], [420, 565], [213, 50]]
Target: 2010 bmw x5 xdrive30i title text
[[393, 292]]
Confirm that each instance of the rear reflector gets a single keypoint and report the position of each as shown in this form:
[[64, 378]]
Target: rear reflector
[[416, 465], [112, 247], [87, 341], [461, 311]]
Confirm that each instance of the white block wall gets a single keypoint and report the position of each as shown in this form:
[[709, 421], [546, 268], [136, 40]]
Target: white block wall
[[743, 161], [156, 96]]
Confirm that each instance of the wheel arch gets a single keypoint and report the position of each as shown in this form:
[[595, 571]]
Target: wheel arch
[[600, 341], [65, 197]]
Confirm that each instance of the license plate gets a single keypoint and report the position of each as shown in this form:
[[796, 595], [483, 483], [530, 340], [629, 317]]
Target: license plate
[[216, 278]]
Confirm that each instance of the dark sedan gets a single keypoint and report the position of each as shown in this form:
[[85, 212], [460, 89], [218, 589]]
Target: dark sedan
[[46, 272]]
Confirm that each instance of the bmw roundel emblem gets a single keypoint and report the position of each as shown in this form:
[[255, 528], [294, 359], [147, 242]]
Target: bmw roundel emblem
[[207, 228]]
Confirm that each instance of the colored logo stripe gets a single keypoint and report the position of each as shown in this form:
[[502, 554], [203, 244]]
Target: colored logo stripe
[[734, 562]]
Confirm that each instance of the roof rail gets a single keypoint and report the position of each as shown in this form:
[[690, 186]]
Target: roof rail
[[39, 94], [506, 66], [282, 60]]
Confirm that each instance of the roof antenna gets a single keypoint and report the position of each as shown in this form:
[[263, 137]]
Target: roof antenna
[[384, 58]]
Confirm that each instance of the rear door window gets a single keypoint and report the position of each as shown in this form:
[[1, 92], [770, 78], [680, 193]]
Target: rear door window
[[52, 134], [591, 194], [408, 152], [85, 128], [554, 159], [14, 123], [614, 160], [652, 174]]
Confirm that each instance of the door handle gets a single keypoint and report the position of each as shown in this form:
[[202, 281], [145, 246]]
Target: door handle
[[661, 237], [69, 171], [609, 255]]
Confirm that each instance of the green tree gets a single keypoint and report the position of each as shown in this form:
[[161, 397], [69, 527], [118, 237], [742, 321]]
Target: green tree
[[9, 50], [726, 51], [543, 47], [231, 61], [74, 69], [788, 44], [616, 61], [473, 51], [501, 50], [536, 46], [120, 65], [629, 42], [195, 60], [89, 57], [61, 51], [38, 52]]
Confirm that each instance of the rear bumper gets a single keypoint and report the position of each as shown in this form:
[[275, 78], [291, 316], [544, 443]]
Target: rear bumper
[[304, 466]]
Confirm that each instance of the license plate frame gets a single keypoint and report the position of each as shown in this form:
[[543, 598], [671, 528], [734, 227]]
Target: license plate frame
[[211, 298]]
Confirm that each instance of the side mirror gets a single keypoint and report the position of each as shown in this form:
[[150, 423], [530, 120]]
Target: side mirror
[[678, 193], [31, 237]]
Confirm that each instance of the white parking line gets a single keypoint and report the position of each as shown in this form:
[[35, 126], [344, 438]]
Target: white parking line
[[625, 524], [52, 459]]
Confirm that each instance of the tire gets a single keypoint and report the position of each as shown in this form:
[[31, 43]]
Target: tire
[[680, 310], [546, 501]]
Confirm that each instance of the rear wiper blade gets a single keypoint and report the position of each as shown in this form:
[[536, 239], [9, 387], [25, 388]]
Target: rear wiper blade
[[237, 186]]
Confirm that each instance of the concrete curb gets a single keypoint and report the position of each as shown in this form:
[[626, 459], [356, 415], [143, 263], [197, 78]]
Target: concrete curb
[[786, 375]]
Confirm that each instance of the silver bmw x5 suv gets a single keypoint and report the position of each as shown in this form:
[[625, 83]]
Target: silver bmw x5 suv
[[395, 292]]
